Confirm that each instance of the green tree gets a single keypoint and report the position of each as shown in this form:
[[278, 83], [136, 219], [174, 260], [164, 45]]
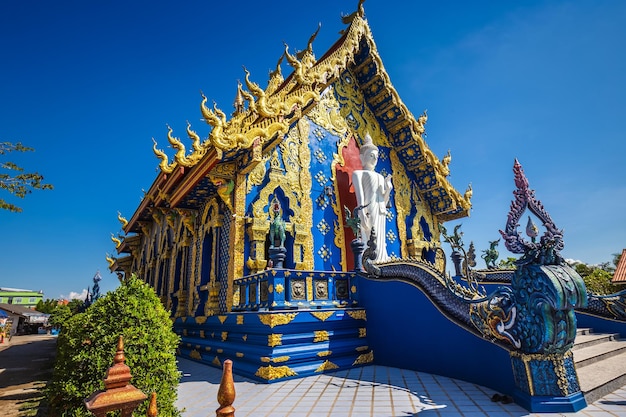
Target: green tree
[[87, 343], [47, 306], [13, 178], [599, 282], [76, 305], [597, 278], [60, 316]]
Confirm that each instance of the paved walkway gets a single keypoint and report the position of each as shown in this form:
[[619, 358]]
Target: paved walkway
[[371, 391]]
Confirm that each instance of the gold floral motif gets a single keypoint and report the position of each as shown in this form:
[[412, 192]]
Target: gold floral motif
[[362, 332], [280, 288], [239, 318], [322, 315], [326, 366], [207, 348], [402, 186], [270, 372], [362, 348], [194, 354], [320, 336], [357, 314], [274, 339], [224, 336], [324, 353], [200, 319], [364, 358], [222, 319], [280, 359], [220, 350], [239, 354], [327, 114], [277, 319], [245, 337], [356, 111], [202, 334], [216, 362]]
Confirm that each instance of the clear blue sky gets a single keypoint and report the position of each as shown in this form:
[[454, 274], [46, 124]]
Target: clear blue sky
[[88, 84]]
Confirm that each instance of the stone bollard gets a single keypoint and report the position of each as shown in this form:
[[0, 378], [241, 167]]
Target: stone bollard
[[226, 392], [118, 393]]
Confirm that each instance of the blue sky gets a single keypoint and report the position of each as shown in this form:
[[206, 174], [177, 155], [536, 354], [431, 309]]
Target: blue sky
[[88, 84]]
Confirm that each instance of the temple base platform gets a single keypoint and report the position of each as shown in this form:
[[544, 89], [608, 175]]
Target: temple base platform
[[271, 346]]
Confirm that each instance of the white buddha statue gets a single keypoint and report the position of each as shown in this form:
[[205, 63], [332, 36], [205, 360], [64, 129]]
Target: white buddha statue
[[372, 194]]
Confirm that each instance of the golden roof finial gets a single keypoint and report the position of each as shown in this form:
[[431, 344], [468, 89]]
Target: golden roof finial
[[195, 139], [262, 107], [306, 56], [116, 240], [295, 64], [278, 72], [122, 219], [468, 193], [164, 165], [110, 260], [180, 157], [217, 120], [360, 12]]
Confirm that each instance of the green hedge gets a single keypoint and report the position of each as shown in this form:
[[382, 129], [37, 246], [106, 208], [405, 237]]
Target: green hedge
[[87, 343]]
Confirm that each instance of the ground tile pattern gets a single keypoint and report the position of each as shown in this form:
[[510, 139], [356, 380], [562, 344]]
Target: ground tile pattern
[[371, 391]]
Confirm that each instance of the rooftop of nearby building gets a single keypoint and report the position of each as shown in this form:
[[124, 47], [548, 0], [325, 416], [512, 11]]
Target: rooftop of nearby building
[[620, 272], [7, 289]]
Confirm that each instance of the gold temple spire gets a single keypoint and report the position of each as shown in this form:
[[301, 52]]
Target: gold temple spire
[[238, 104]]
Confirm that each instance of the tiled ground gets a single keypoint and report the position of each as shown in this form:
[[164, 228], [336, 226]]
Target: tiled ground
[[371, 391]]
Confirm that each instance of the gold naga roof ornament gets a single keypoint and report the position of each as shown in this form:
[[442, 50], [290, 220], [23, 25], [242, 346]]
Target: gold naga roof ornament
[[259, 103], [122, 219], [116, 240], [299, 71], [360, 12], [181, 153], [165, 166], [199, 148], [276, 77]]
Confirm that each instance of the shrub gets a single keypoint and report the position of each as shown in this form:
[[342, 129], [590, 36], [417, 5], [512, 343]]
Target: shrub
[[87, 344]]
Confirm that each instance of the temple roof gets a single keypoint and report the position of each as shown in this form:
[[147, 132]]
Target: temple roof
[[269, 113]]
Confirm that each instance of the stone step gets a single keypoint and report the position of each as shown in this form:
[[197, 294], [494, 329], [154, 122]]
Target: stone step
[[602, 377], [587, 355], [585, 340], [583, 330]]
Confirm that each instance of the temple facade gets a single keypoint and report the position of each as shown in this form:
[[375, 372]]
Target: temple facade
[[287, 155]]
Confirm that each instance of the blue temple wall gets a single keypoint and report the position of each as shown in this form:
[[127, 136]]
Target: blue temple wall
[[323, 145], [600, 324], [406, 330]]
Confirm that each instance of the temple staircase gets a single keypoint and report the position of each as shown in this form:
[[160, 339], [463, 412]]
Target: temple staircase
[[600, 360]]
